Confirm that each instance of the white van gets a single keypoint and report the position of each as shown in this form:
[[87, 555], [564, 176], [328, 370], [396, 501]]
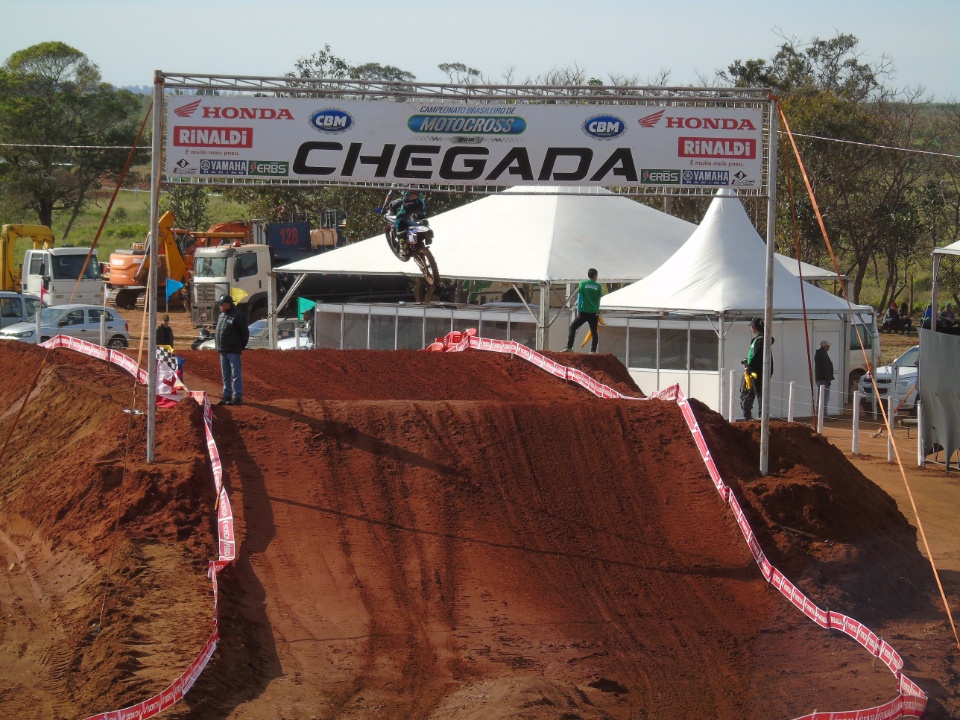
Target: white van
[[63, 275]]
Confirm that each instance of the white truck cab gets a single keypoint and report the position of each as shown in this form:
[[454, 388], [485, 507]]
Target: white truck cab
[[241, 271], [62, 275]]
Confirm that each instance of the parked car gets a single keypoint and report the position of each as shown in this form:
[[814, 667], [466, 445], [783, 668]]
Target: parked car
[[16, 307], [79, 321], [898, 379]]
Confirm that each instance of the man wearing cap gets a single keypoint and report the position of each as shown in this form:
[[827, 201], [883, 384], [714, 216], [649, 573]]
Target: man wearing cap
[[823, 371], [231, 338]]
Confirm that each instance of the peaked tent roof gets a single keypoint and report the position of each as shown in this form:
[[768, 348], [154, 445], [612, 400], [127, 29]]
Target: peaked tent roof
[[545, 234], [721, 270]]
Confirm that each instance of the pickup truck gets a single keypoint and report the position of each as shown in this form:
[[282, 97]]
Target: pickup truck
[[898, 379]]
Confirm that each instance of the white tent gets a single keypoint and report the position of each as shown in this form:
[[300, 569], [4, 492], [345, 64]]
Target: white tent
[[546, 236], [535, 235], [529, 235], [715, 283]]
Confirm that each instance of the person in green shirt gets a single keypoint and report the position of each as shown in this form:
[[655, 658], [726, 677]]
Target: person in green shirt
[[588, 310]]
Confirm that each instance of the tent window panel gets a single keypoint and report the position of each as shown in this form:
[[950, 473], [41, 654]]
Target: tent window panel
[[642, 350], [864, 333], [410, 332], [673, 349], [327, 326], [524, 333], [436, 327], [383, 332], [704, 350], [355, 331], [613, 341], [495, 329]]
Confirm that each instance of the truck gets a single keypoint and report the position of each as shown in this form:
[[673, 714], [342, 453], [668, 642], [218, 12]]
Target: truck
[[129, 267], [898, 381], [244, 271], [57, 275]]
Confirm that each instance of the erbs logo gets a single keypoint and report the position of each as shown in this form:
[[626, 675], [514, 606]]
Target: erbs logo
[[604, 127], [331, 121]]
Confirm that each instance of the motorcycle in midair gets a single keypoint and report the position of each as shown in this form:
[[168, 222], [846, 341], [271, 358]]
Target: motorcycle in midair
[[414, 242]]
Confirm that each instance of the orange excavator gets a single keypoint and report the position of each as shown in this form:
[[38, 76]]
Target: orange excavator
[[128, 267]]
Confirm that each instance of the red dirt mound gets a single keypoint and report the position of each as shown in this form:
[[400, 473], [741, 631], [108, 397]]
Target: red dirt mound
[[427, 535]]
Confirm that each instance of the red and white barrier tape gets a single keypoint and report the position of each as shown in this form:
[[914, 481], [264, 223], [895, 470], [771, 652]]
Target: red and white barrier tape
[[226, 539], [911, 701]]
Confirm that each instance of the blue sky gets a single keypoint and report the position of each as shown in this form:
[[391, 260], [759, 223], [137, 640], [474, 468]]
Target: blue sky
[[129, 39]]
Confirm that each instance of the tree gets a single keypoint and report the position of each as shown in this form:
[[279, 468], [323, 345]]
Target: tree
[[56, 116], [847, 124], [188, 203]]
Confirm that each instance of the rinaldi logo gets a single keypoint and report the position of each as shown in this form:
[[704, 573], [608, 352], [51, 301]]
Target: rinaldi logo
[[237, 137]]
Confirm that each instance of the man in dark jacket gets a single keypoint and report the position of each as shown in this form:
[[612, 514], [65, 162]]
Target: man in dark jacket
[[231, 338], [165, 332], [823, 371]]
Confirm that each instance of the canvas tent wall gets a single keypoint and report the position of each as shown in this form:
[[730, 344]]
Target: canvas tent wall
[[546, 236], [701, 301]]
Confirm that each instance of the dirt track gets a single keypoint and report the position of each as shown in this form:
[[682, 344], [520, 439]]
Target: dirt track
[[439, 536]]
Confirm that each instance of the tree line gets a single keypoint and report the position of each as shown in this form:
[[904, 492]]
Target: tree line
[[883, 162]]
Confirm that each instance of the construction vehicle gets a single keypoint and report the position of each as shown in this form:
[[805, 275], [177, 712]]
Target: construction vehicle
[[129, 267], [57, 275], [42, 238]]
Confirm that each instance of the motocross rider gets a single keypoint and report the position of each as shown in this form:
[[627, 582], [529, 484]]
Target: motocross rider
[[408, 207]]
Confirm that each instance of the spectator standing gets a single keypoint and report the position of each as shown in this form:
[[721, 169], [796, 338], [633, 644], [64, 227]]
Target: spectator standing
[[823, 371], [755, 359], [588, 310], [165, 332], [231, 337]]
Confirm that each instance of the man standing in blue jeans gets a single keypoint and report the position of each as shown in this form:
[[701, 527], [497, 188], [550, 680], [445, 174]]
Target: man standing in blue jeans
[[588, 309], [231, 338]]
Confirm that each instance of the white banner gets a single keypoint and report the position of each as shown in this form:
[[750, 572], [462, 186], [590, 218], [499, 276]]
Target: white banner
[[459, 143]]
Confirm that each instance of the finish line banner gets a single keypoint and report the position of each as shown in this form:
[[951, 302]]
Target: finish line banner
[[322, 140]]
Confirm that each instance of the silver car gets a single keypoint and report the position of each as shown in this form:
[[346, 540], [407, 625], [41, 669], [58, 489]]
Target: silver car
[[260, 338], [16, 307], [79, 321]]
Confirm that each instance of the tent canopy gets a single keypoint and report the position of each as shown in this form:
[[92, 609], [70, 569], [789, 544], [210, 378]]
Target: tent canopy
[[720, 270], [547, 234], [534, 235]]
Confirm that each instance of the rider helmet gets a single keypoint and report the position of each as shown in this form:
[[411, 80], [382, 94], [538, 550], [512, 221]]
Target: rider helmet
[[225, 299]]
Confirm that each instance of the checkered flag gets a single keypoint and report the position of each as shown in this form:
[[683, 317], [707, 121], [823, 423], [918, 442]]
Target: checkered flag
[[167, 358]]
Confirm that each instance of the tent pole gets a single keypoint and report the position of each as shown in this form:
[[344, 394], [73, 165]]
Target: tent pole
[[544, 314], [768, 299]]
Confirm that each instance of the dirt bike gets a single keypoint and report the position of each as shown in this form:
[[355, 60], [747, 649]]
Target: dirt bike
[[415, 244]]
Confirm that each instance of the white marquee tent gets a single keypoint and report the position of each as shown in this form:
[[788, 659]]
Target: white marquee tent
[[546, 236], [715, 282]]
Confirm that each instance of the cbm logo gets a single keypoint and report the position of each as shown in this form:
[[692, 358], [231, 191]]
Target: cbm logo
[[331, 121], [604, 127]]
